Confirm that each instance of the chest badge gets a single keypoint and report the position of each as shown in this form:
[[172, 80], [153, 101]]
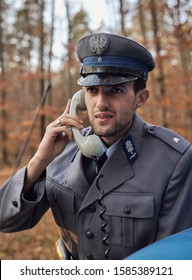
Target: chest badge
[[130, 149]]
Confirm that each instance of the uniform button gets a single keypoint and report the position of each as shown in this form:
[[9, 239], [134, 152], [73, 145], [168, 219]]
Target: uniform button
[[89, 234], [55, 198], [152, 128], [127, 211], [15, 203], [92, 208], [89, 256]]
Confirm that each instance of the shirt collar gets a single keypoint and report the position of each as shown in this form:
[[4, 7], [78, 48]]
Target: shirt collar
[[111, 149]]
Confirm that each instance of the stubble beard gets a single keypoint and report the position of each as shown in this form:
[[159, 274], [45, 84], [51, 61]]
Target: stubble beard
[[116, 129], [120, 127]]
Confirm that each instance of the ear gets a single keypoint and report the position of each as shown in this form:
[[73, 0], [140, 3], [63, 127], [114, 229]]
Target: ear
[[142, 97]]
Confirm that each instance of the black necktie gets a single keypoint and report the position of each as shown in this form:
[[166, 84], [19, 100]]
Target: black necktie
[[101, 161], [89, 166]]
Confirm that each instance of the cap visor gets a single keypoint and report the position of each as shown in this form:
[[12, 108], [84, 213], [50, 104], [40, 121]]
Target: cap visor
[[104, 80]]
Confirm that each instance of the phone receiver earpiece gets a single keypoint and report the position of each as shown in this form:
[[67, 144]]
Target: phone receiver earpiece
[[90, 145]]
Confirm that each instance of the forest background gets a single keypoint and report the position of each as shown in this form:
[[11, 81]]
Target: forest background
[[34, 54]]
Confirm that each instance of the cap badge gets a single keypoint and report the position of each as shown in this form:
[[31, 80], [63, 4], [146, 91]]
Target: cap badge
[[99, 59], [99, 44]]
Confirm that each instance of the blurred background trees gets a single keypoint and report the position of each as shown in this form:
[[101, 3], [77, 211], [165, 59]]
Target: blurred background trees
[[37, 43], [28, 53]]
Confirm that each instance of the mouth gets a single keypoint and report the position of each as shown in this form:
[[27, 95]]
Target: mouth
[[103, 116]]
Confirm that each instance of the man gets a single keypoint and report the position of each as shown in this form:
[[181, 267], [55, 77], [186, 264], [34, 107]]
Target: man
[[141, 194]]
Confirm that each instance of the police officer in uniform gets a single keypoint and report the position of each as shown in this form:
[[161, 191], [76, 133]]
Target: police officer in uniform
[[143, 191]]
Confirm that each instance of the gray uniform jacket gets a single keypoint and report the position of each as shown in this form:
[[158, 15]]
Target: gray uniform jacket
[[147, 184]]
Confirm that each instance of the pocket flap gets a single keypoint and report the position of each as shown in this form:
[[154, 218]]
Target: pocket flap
[[129, 205]]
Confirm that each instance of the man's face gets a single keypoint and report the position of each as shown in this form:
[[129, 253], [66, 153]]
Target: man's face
[[111, 109]]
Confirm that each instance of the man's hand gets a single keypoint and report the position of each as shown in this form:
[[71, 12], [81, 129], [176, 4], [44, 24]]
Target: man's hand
[[57, 136]]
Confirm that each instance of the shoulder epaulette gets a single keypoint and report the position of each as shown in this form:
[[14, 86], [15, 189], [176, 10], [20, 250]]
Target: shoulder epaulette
[[170, 137]]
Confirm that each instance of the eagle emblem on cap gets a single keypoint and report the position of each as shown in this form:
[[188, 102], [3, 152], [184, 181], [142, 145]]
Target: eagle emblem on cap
[[99, 44]]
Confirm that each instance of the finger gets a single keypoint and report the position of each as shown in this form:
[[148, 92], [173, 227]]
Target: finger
[[66, 117], [67, 131], [67, 106], [69, 121], [61, 131], [58, 122]]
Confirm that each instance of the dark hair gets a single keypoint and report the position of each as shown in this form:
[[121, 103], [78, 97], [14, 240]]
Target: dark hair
[[139, 84]]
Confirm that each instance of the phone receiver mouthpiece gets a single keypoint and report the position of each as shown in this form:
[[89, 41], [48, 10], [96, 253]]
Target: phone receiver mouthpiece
[[90, 146]]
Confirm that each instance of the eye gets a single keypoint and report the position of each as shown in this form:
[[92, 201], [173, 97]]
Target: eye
[[117, 90], [92, 89]]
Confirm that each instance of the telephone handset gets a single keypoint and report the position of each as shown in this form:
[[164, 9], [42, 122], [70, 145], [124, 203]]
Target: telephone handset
[[89, 145]]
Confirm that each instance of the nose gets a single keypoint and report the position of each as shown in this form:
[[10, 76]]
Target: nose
[[102, 100]]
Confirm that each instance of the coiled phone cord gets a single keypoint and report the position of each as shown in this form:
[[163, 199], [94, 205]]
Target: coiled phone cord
[[101, 215]]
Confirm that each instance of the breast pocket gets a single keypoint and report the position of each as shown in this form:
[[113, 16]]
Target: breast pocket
[[128, 216], [62, 202]]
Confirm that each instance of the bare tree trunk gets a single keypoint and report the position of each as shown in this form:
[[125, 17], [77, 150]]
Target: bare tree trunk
[[69, 60], [50, 50], [183, 40], [122, 13], [142, 21], [161, 76], [3, 93], [41, 56], [183, 43]]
